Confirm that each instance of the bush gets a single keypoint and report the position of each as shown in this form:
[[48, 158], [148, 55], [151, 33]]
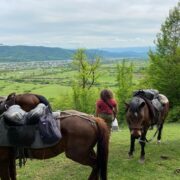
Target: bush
[[174, 114], [84, 99]]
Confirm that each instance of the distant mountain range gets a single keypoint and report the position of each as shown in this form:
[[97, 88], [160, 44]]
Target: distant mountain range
[[40, 53]]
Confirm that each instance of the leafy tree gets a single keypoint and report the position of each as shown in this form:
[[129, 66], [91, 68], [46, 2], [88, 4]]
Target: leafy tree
[[124, 82], [164, 69], [87, 75]]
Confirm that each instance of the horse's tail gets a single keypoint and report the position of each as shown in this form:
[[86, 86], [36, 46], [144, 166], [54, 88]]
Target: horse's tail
[[102, 148], [43, 100]]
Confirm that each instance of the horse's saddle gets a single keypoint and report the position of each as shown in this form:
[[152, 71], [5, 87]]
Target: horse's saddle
[[27, 129], [153, 100], [152, 95], [147, 93]]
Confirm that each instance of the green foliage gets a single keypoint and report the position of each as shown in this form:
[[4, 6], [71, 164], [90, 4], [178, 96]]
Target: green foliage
[[124, 83], [164, 69], [87, 75], [87, 71], [174, 114], [62, 102], [169, 38], [84, 99]]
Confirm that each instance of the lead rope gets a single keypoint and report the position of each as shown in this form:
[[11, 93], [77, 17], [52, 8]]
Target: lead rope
[[148, 141]]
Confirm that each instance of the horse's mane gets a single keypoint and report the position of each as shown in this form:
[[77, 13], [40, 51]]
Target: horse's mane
[[135, 104]]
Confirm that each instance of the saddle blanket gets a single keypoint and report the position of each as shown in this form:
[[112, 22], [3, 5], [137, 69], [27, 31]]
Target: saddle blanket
[[37, 142]]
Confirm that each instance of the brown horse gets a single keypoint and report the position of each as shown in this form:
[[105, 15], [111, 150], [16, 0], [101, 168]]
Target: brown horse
[[80, 134], [139, 118], [32, 100]]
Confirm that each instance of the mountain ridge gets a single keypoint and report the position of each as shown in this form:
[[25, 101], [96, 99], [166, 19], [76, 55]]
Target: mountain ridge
[[42, 53]]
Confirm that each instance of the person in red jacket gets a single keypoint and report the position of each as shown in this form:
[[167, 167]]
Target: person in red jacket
[[106, 107]]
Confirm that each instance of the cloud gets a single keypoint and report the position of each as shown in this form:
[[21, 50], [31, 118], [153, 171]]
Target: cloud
[[89, 23]]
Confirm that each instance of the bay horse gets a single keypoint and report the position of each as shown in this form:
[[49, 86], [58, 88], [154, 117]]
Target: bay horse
[[139, 117], [79, 137]]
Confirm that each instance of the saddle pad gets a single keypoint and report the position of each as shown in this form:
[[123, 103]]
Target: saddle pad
[[37, 144]]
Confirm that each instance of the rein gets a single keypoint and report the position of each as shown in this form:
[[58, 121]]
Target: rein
[[148, 141]]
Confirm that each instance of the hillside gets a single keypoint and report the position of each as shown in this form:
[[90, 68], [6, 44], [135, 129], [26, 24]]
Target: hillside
[[40, 53]]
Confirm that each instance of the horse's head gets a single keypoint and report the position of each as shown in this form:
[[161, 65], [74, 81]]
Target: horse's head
[[135, 116], [7, 102]]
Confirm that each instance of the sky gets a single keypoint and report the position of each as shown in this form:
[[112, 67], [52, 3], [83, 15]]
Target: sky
[[82, 23]]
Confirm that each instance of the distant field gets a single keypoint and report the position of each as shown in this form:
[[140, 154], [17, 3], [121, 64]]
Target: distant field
[[54, 79], [119, 167], [43, 78]]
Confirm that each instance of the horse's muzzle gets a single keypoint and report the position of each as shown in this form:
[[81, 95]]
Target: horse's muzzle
[[136, 133]]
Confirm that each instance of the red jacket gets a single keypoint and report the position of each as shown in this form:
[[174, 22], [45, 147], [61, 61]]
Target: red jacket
[[102, 107]]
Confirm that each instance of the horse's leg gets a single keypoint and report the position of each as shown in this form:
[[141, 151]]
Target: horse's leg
[[143, 143], [87, 158], [4, 170], [131, 146], [12, 168], [159, 133], [92, 161]]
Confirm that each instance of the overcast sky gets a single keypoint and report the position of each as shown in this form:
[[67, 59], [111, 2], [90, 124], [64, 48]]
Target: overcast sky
[[82, 23]]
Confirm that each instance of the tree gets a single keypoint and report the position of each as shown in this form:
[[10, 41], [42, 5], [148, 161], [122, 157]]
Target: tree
[[87, 75], [164, 69], [124, 82]]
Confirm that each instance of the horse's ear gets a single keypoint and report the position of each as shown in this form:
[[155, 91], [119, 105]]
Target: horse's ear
[[12, 95]]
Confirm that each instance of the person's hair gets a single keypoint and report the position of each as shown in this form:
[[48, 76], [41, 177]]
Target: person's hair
[[106, 94]]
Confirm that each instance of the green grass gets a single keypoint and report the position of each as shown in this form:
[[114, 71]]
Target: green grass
[[120, 167]]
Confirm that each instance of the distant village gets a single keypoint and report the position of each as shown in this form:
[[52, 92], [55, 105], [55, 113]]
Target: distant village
[[33, 65]]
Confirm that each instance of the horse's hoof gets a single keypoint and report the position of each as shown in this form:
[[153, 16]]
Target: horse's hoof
[[141, 160], [159, 142]]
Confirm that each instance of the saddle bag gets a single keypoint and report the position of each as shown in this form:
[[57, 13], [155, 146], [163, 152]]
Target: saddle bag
[[48, 129], [21, 135]]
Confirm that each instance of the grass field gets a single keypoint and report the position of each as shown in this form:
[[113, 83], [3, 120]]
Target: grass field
[[55, 83], [120, 167], [44, 79]]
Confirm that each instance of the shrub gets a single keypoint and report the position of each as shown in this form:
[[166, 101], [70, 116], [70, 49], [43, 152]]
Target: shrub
[[174, 114]]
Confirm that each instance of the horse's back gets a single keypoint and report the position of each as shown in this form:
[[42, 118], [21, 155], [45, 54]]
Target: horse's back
[[78, 128], [78, 122]]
